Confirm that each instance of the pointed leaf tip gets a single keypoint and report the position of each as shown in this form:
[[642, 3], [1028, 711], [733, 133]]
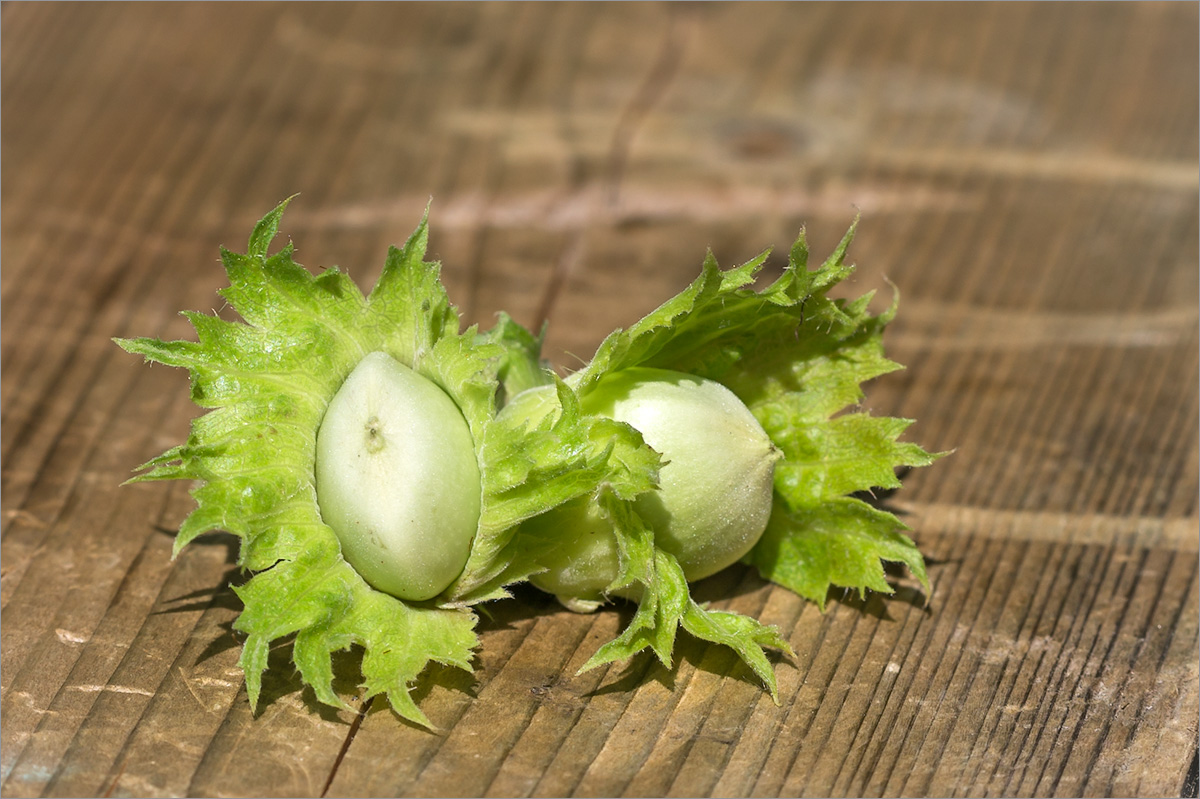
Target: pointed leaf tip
[[798, 256], [418, 241], [838, 257], [253, 662], [265, 230]]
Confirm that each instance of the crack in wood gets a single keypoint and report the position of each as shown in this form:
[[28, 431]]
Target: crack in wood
[[353, 731]]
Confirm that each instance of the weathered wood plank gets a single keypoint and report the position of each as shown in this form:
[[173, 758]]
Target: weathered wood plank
[[1033, 195]]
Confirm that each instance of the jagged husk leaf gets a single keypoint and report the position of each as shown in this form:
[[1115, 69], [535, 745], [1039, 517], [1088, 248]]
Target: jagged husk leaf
[[267, 381], [797, 358]]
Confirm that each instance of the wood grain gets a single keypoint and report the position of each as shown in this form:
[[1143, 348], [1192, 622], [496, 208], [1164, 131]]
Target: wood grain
[[1026, 174]]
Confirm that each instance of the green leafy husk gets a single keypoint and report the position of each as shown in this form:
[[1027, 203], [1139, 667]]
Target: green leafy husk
[[266, 382], [797, 359]]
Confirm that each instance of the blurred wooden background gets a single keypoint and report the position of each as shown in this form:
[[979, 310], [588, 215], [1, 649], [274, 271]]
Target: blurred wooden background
[[1026, 174]]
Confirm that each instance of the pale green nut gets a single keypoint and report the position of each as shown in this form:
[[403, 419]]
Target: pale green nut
[[397, 479], [715, 489]]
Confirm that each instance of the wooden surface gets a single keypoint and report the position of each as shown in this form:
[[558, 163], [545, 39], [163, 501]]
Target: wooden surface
[[1026, 174]]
